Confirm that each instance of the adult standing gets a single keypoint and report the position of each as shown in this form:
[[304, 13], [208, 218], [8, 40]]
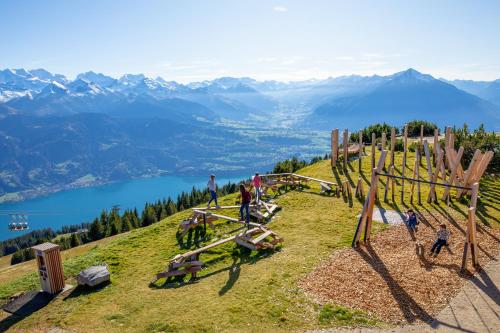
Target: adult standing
[[212, 188]]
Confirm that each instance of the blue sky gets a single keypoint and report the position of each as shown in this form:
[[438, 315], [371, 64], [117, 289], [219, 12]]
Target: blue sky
[[283, 40]]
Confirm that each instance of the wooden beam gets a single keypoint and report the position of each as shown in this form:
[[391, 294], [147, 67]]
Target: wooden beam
[[335, 147], [432, 192], [468, 174], [405, 148], [373, 192], [483, 165], [345, 144], [360, 135], [454, 167], [415, 168], [373, 150], [436, 140], [393, 144]]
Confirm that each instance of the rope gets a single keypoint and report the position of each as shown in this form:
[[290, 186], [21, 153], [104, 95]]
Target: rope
[[423, 181]]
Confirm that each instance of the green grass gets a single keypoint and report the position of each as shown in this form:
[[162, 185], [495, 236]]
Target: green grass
[[238, 290]]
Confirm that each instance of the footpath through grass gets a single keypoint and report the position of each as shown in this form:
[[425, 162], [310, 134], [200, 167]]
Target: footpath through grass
[[237, 291]]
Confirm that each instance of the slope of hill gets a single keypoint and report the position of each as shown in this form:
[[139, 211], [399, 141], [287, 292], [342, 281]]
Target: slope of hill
[[237, 290], [487, 90]]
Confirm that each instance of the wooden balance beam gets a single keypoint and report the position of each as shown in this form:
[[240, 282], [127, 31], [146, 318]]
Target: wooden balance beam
[[189, 263]]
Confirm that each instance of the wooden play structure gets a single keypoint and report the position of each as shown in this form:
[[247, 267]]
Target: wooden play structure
[[50, 269], [203, 216], [188, 263], [464, 182]]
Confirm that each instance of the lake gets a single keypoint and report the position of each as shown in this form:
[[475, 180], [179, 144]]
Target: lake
[[84, 204]]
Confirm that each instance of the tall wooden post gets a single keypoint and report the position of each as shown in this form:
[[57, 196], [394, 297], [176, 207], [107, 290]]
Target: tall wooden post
[[405, 147], [393, 144], [384, 142], [471, 233], [373, 150], [454, 168], [367, 213], [436, 140], [345, 144], [360, 151], [335, 147]]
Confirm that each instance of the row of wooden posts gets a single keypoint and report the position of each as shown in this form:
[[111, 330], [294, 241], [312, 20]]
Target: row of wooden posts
[[464, 182]]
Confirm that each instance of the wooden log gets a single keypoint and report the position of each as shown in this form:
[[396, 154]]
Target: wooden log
[[447, 132], [421, 141], [384, 140], [372, 194], [482, 166], [419, 196], [436, 140], [415, 168], [335, 147], [345, 144], [373, 150], [432, 191], [405, 148], [360, 192], [468, 173], [454, 167], [393, 144], [360, 135], [428, 159]]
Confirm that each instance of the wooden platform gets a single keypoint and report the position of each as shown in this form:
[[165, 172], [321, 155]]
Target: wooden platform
[[188, 263]]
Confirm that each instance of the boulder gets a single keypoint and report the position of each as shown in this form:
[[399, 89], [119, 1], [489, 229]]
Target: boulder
[[93, 276]]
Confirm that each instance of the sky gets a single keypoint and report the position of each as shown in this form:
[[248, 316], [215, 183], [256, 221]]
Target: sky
[[281, 40]]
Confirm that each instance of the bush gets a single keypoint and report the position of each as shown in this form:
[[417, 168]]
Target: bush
[[478, 139], [378, 129], [414, 128], [22, 255]]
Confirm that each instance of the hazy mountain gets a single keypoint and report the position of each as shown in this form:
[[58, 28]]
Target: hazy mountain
[[488, 90], [406, 95]]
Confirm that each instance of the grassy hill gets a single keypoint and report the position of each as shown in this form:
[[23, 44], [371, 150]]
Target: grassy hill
[[238, 290]]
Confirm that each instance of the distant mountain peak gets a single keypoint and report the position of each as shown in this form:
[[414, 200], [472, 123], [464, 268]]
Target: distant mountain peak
[[410, 75]]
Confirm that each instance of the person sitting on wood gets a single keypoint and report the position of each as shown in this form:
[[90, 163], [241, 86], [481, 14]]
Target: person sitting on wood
[[246, 198], [411, 219], [257, 183], [212, 187], [442, 239]]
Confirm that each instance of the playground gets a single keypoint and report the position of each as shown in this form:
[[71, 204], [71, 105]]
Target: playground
[[313, 279]]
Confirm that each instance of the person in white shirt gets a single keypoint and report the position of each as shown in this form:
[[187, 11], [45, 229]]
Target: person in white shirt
[[212, 187], [442, 239]]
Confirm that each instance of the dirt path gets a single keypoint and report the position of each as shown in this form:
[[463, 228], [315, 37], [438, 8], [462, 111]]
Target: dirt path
[[475, 309]]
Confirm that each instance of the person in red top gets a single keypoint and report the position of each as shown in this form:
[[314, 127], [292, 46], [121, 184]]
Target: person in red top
[[257, 183], [246, 197]]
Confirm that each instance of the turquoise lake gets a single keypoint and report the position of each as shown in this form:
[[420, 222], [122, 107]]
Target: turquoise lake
[[84, 204]]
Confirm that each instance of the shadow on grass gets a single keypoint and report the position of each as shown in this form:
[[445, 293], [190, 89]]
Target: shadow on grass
[[86, 290], [194, 237], [241, 256]]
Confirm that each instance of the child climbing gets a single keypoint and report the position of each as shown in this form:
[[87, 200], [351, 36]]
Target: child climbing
[[246, 197], [411, 219], [442, 239], [212, 187], [257, 183]]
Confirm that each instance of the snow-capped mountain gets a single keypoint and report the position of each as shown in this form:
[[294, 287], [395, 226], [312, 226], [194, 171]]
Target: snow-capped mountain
[[413, 94]]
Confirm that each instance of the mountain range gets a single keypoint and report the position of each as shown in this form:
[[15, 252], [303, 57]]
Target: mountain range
[[57, 132]]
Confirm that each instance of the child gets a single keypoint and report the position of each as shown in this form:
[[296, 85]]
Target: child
[[442, 239], [412, 220], [246, 197], [212, 187], [257, 183]]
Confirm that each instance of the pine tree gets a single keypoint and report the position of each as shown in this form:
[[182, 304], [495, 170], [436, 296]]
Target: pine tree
[[95, 230], [75, 240], [126, 224]]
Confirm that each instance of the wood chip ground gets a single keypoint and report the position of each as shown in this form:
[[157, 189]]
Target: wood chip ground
[[395, 278]]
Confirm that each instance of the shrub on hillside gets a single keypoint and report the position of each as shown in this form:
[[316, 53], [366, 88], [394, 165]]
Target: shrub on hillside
[[378, 129], [414, 128], [478, 139]]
